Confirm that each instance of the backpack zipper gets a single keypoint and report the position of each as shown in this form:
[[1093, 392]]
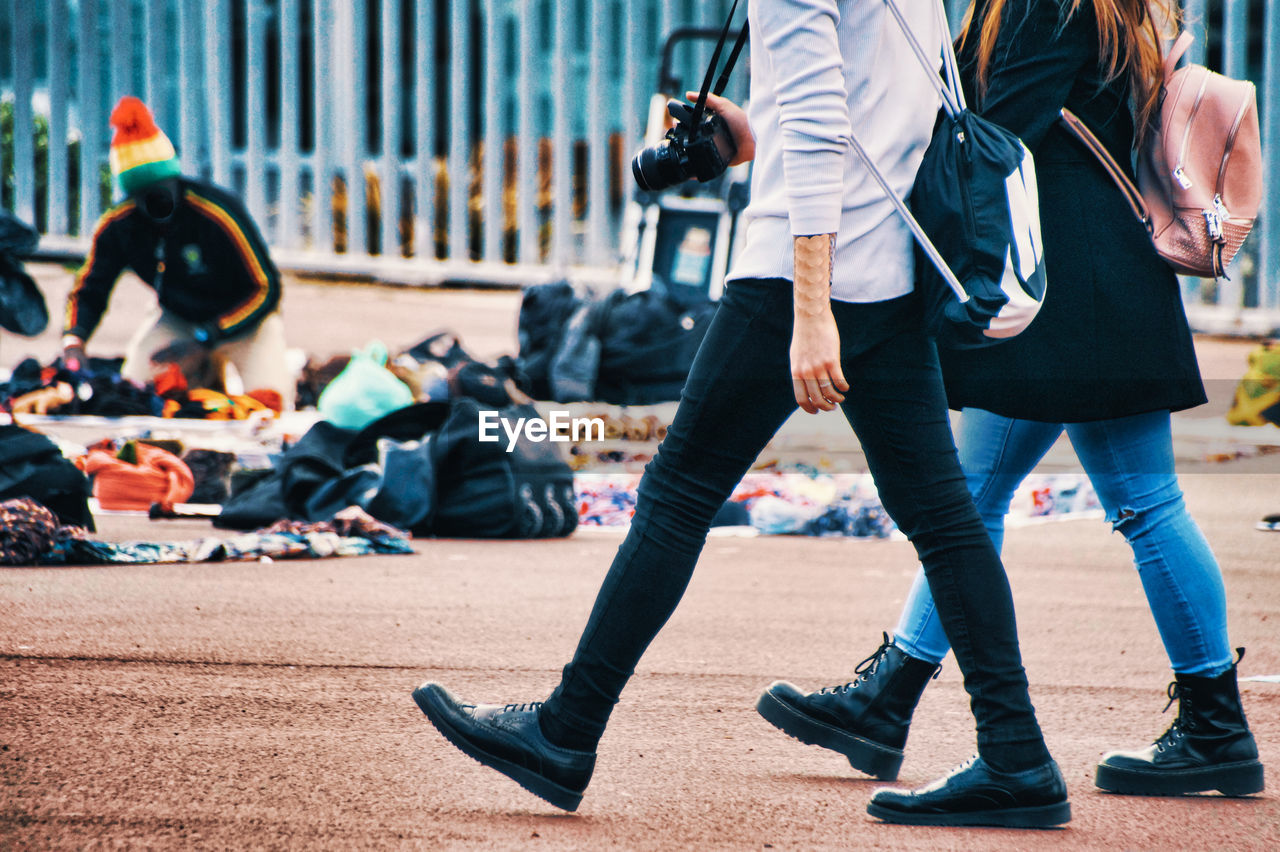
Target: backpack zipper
[[1178, 174], [970, 220], [1216, 217], [1226, 155]]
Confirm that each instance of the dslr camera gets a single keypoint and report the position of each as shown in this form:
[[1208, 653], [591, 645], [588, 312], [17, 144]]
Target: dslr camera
[[701, 151]]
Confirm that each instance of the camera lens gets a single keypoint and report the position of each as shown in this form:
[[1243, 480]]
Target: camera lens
[[657, 168]]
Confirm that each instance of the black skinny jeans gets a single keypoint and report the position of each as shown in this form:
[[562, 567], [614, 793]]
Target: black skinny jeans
[[738, 395]]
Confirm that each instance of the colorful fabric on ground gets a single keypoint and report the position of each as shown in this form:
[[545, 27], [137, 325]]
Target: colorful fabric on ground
[[351, 521], [30, 535], [137, 476], [803, 502], [29, 530], [242, 548]]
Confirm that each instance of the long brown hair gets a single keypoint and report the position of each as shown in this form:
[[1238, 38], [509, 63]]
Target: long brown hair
[[1130, 42]]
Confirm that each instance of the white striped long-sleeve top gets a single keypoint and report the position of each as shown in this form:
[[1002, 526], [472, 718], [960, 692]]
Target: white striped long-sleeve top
[[820, 68]]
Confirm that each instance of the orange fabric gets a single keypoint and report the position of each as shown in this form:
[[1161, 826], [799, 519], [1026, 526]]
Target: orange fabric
[[158, 477], [44, 400], [217, 406], [268, 397], [170, 379]]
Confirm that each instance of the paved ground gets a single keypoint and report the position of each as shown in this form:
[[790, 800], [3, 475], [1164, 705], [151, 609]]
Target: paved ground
[[267, 705]]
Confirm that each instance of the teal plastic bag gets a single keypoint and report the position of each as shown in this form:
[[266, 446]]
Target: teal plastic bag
[[364, 390]]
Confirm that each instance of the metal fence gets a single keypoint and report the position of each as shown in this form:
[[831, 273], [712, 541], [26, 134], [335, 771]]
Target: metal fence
[[430, 140]]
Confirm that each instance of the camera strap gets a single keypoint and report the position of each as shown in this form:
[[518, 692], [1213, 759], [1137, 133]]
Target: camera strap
[[700, 106]]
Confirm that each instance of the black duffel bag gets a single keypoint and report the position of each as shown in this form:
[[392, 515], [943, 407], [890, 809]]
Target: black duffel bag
[[647, 345], [485, 491]]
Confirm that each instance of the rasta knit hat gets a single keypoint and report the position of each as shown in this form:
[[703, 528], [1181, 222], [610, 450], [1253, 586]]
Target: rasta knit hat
[[140, 153]]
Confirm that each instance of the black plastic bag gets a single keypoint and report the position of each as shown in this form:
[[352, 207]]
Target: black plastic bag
[[22, 307], [545, 310], [32, 466]]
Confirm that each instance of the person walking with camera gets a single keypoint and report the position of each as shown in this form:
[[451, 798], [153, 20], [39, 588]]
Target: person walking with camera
[[197, 247], [818, 312], [1108, 359]]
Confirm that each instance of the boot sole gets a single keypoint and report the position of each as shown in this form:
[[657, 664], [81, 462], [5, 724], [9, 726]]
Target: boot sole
[[879, 761], [1043, 816], [1229, 779], [561, 797]]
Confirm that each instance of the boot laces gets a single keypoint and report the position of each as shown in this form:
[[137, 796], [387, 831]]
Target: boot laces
[[1183, 722], [521, 708], [864, 670]]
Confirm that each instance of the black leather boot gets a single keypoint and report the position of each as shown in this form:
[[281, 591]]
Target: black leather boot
[[507, 738], [1208, 746], [866, 719], [976, 794]]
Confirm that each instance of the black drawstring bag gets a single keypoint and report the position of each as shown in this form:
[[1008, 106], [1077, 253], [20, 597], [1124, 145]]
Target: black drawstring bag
[[962, 197], [980, 263]]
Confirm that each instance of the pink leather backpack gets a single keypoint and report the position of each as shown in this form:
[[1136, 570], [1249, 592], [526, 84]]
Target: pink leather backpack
[[1200, 169]]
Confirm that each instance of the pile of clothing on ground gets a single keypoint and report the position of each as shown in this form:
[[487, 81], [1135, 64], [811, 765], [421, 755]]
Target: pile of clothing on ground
[[801, 501], [32, 535], [97, 389], [399, 438], [396, 437]]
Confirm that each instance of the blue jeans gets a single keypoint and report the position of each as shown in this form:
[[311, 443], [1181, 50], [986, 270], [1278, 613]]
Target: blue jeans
[[737, 396], [1129, 460]]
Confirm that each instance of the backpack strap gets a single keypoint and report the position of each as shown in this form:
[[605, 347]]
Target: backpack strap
[[949, 90], [1175, 52], [1077, 128]]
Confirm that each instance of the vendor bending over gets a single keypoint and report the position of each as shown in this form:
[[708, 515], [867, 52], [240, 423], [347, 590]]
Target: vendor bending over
[[197, 247]]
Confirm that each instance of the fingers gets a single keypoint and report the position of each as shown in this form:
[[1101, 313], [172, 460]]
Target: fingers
[[736, 120], [815, 394], [837, 378], [802, 397]]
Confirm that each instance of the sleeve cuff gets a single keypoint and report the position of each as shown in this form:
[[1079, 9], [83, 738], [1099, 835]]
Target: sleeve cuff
[[815, 191]]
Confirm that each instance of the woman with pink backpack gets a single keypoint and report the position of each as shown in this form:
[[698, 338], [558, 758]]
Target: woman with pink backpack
[[1108, 359]]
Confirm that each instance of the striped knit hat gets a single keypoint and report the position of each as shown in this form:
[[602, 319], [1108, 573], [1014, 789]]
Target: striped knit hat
[[140, 153]]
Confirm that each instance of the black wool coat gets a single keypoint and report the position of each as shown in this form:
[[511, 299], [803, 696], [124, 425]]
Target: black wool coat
[[1111, 338]]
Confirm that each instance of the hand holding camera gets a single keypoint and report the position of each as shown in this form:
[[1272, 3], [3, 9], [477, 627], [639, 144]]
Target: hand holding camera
[[700, 150], [735, 118], [707, 137]]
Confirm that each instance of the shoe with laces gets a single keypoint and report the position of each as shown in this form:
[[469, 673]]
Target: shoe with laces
[[866, 719], [1208, 746], [976, 794], [507, 738]]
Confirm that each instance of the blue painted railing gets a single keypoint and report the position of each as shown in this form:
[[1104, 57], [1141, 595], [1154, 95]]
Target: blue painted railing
[[430, 140]]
